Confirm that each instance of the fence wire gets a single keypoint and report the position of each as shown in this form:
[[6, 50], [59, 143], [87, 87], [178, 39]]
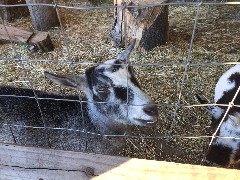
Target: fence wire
[[176, 105]]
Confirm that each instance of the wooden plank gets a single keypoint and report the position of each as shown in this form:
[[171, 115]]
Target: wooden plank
[[16, 34], [37, 174], [19, 162]]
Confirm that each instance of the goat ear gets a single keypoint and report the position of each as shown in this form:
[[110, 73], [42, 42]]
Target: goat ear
[[125, 54], [77, 81], [201, 100], [215, 111]]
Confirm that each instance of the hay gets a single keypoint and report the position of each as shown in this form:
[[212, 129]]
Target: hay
[[86, 31]]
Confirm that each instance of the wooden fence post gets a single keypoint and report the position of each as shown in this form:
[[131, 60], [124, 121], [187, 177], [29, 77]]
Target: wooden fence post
[[149, 25]]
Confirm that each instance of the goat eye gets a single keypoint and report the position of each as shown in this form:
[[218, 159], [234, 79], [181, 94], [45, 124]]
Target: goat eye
[[114, 69], [117, 65]]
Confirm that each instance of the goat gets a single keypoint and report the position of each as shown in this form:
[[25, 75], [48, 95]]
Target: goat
[[114, 101], [225, 151]]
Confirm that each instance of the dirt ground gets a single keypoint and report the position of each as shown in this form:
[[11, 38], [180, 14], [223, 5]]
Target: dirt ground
[[84, 40]]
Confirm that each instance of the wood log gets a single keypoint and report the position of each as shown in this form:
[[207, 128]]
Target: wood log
[[11, 13], [38, 41], [43, 17], [14, 34], [21, 162], [149, 25]]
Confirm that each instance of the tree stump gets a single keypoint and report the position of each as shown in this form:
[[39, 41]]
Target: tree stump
[[41, 41], [11, 13], [148, 25], [43, 17]]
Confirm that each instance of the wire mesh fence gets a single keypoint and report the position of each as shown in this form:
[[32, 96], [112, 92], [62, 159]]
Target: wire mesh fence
[[203, 43]]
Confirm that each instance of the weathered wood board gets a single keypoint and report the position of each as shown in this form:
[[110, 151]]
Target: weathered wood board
[[20, 162], [16, 34]]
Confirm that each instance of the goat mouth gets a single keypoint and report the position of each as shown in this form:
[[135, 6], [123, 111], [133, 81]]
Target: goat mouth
[[148, 123]]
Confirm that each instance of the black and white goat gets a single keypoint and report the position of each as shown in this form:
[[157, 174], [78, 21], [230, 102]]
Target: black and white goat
[[113, 98], [225, 149]]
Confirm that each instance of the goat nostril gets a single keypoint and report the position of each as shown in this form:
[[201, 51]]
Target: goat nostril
[[151, 110]]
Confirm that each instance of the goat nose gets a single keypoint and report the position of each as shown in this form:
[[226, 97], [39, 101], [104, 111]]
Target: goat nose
[[151, 110]]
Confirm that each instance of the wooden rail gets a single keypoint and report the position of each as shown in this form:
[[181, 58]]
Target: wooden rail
[[21, 162]]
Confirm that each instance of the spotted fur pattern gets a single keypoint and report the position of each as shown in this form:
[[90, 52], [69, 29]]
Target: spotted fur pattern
[[226, 151]]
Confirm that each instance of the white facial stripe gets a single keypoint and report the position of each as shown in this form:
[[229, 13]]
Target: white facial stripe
[[120, 77], [107, 64]]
